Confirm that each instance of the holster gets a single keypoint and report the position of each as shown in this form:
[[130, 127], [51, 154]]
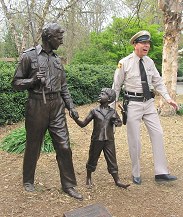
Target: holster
[[124, 110]]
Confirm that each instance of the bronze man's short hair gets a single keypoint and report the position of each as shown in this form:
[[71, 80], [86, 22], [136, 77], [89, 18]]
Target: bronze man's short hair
[[51, 29]]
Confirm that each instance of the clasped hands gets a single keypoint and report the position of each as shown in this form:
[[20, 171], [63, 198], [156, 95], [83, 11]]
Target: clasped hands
[[73, 114]]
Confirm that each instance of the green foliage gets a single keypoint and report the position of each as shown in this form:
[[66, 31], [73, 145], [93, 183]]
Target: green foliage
[[86, 81], [6, 74], [16, 140], [180, 111], [180, 69], [109, 46], [12, 108], [13, 103], [10, 49], [1, 49]]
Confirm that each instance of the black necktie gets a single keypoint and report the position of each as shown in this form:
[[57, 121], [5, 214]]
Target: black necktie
[[145, 86]]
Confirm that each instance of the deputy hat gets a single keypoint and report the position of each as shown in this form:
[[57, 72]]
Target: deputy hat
[[140, 36]]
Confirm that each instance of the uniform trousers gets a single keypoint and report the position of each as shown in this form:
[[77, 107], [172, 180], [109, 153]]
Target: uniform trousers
[[108, 148], [145, 111], [38, 118]]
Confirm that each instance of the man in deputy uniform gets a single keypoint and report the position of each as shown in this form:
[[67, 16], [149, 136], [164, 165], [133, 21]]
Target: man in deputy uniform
[[138, 74], [41, 73]]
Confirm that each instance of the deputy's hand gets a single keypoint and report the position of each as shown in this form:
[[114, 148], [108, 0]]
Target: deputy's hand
[[73, 114], [173, 103]]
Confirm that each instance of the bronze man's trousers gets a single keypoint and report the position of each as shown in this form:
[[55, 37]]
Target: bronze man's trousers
[[38, 118]]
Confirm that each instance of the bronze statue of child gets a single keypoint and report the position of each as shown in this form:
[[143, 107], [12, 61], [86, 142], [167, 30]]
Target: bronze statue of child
[[104, 118]]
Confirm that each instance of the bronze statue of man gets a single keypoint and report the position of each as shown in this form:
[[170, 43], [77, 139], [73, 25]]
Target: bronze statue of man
[[41, 73]]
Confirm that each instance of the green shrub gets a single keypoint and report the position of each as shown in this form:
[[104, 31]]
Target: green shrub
[[86, 81], [13, 107], [11, 102], [7, 70], [15, 142], [180, 68], [180, 111]]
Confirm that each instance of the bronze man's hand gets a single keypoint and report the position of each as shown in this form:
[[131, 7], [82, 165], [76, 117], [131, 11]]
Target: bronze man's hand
[[73, 114], [39, 77]]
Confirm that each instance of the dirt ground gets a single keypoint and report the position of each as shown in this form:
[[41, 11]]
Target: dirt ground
[[150, 199]]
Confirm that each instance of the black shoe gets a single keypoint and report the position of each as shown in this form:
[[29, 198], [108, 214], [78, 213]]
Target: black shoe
[[137, 180], [165, 177], [29, 187], [73, 193]]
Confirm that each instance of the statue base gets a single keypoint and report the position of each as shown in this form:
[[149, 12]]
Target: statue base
[[94, 210]]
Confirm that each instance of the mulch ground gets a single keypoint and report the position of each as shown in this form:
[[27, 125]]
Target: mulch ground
[[150, 199]]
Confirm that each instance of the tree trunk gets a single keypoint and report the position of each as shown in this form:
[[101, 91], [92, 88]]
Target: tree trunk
[[172, 11]]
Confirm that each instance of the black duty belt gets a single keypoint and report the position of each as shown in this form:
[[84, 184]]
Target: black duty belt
[[49, 96], [133, 93], [138, 97]]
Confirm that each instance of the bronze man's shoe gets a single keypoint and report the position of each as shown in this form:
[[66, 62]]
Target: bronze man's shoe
[[137, 180], [29, 187], [121, 185], [73, 193], [165, 177]]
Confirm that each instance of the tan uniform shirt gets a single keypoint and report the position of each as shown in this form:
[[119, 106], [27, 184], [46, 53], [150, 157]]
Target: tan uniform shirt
[[128, 74]]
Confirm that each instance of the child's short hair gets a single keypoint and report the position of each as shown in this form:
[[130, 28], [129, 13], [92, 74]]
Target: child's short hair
[[111, 93]]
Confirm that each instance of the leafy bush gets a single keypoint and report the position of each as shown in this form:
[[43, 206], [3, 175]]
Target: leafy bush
[[112, 44], [12, 108], [13, 103], [6, 74], [15, 142], [86, 81], [180, 69], [180, 111]]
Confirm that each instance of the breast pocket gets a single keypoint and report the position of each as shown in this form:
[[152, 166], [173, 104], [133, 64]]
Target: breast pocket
[[131, 72], [149, 73], [34, 66], [42, 67], [58, 69]]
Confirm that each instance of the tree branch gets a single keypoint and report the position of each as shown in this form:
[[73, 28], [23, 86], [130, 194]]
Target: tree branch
[[61, 13]]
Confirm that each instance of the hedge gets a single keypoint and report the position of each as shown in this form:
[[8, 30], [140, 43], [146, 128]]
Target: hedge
[[86, 81]]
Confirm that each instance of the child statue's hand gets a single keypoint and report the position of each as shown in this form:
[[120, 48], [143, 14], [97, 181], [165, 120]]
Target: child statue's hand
[[114, 121]]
